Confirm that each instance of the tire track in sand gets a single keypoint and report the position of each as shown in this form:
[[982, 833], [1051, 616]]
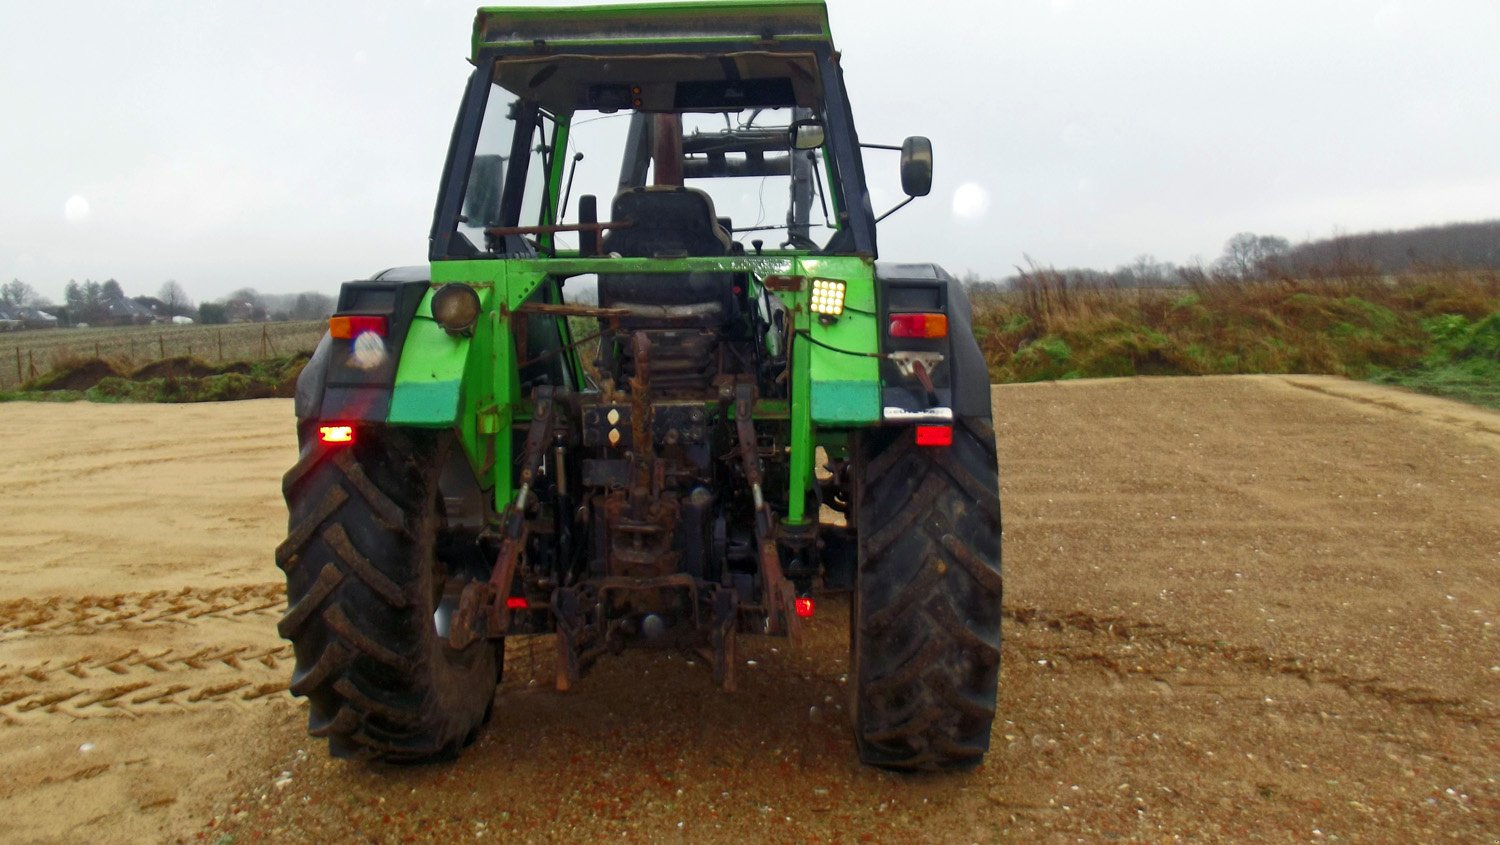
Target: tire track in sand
[[91, 614], [135, 654], [1108, 630]]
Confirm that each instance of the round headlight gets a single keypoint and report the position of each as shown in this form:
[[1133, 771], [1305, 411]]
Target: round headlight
[[456, 308]]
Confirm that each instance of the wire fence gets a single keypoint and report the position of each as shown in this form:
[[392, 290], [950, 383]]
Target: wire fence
[[28, 354]]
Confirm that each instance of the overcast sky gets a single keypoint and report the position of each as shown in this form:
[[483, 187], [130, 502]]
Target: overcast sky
[[291, 146]]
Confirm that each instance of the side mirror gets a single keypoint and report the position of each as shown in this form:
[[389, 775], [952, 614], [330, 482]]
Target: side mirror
[[807, 135], [486, 187], [916, 166]]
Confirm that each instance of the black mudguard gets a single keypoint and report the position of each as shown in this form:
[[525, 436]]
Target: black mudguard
[[964, 379], [330, 387]]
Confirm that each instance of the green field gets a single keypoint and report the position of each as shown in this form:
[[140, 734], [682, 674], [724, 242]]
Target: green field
[[28, 354]]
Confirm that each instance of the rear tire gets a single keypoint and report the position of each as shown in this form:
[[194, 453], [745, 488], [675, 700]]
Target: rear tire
[[925, 636], [363, 585]]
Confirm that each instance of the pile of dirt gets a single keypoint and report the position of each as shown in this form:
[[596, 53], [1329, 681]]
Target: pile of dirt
[[75, 375], [180, 379], [179, 367]]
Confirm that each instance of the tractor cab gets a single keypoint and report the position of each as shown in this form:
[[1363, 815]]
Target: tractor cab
[[755, 132]]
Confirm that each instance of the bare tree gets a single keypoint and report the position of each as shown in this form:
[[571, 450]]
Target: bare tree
[[249, 296], [1193, 273], [175, 298], [1251, 256], [1149, 272], [18, 294], [246, 304], [312, 306]]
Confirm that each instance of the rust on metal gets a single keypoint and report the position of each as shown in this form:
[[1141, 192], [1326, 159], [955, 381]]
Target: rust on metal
[[780, 593], [487, 600], [504, 231], [565, 310], [783, 283]]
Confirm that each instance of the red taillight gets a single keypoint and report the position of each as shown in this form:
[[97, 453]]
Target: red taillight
[[338, 435], [349, 326], [934, 435], [804, 606], [517, 603], [919, 325]]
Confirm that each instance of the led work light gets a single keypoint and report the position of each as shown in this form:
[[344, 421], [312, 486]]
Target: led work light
[[828, 298]]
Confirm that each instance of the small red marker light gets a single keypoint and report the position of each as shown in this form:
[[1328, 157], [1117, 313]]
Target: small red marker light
[[517, 603], [336, 434], [934, 435], [350, 326], [804, 606]]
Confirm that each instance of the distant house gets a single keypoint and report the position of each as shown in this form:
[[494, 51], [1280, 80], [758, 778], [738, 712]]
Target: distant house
[[34, 318], [122, 311], [159, 311], [25, 317]]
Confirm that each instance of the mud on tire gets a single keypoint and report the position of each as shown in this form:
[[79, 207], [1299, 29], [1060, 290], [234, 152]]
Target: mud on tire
[[363, 583], [925, 635]]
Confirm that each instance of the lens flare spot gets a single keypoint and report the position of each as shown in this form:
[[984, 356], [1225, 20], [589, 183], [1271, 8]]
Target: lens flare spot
[[76, 209], [970, 202]]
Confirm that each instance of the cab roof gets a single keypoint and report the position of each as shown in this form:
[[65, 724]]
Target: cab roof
[[651, 27]]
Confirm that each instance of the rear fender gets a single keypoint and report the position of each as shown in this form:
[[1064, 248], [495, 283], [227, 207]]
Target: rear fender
[[963, 378], [335, 385]]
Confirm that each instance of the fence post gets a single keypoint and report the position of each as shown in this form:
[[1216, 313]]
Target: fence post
[[31, 362], [220, 333], [161, 344], [96, 350], [20, 376], [264, 339]]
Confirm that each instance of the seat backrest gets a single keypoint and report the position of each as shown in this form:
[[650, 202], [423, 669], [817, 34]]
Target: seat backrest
[[666, 221]]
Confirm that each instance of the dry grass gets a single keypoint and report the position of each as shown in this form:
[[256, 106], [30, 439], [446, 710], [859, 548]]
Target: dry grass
[[1359, 326]]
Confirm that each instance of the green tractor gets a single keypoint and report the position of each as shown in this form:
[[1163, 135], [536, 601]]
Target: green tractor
[[622, 425]]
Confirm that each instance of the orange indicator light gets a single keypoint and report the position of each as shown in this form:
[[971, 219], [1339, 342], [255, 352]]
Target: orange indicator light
[[349, 326]]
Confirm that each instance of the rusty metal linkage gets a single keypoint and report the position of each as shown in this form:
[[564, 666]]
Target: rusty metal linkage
[[504, 231], [781, 595], [487, 599]]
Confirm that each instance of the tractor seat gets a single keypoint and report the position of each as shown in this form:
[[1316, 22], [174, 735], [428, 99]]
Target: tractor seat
[[668, 222]]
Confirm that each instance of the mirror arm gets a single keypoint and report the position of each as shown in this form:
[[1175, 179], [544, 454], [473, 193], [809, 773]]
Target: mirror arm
[[903, 204], [568, 191]]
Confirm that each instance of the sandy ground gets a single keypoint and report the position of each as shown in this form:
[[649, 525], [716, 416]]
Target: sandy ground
[[1237, 610]]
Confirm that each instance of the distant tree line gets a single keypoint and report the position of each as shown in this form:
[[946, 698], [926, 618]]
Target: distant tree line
[[1248, 256], [106, 303], [1457, 246]]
